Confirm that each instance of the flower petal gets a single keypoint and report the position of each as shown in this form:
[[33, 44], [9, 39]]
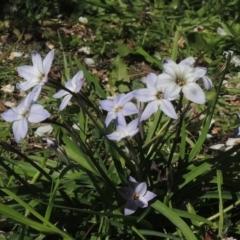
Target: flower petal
[[10, 115], [37, 113], [60, 94], [145, 94], [65, 101], [126, 192], [110, 117], [207, 82], [129, 109], [47, 62], [20, 129], [194, 93], [188, 61], [141, 202], [151, 108], [141, 189], [149, 196], [123, 98], [130, 207], [151, 81], [132, 183], [107, 105], [167, 107], [26, 72], [37, 62]]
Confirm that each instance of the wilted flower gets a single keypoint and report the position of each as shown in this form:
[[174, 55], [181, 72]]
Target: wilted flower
[[158, 96], [37, 75], [118, 108], [136, 195], [234, 59], [184, 76], [26, 111], [74, 85], [124, 131]]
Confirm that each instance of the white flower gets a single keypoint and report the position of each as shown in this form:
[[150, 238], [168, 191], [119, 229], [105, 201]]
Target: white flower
[[26, 111], [221, 31], [124, 131], [184, 76], [118, 108], [36, 75], [158, 97], [83, 20], [234, 59], [136, 195], [74, 85]]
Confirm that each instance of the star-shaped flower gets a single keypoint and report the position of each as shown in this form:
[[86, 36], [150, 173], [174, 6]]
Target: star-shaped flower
[[26, 111], [36, 75], [136, 195], [124, 131], [184, 76], [74, 85], [158, 97], [119, 107]]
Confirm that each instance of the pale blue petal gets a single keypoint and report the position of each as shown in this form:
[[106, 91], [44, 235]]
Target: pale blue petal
[[110, 117], [129, 109], [115, 136], [107, 105], [130, 207], [123, 98], [145, 94], [164, 80], [193, 93], [141, 202], [132, 183], [132, 126], [37, 62], [10, 115], [171, 92], [126, 192], [149, 196], [37, 113], [36, 92], [27, 72], [24, 86], [167, 107], [120, 118], [188, 61], [78, 78], [207, 82], [47, 62], [20, 129], [60, 94], [199, 72], [141, 189], [65, 101], [151, 81], [151, 108]]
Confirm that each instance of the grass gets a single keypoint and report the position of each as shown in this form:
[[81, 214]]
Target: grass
[[71, 191]]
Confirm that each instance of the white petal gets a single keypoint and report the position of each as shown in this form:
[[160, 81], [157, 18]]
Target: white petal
[[11, 116], [110, 117], [65, 101], [141, 189], [171, 92], [141, 202], [129, 109], [149, 196], [217, 146], [167, 107], [123, 98], [47, 62], [26, 72], [126, 192], [199, 72], [37, 62], [188, 61], [145, 94], [115, 136], [194, 93], [207, 82], [151, 108], [43, 130], [37, 113], [151, 81], [132, 126], [24, 86], [107, 105], [60, 94], [130, 207], [20, 129]]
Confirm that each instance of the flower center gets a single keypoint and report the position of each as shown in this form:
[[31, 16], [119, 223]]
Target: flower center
[[159, 95], [118, 109], [180, 82], [136, 196]]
